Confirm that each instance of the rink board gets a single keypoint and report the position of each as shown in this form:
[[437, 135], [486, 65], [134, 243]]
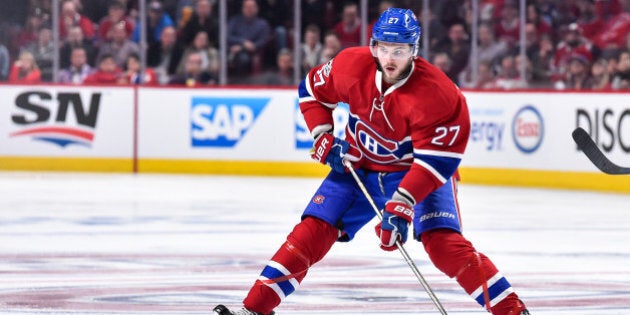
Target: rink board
[[517, 138]]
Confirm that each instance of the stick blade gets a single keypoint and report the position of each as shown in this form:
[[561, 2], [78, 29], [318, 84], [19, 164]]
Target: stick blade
[[593, 153]]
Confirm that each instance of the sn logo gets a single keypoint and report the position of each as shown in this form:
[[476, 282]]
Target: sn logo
[[223, 122], [61, 119]]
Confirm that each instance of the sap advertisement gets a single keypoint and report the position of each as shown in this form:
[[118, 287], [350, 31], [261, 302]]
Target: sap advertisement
[[43, 121], [533, 130], [219, 124]]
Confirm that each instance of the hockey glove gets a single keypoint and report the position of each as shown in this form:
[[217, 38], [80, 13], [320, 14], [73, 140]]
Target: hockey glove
[[328, 149], [396, 219]]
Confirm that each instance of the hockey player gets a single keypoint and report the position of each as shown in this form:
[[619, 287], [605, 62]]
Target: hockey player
[[406, 134]]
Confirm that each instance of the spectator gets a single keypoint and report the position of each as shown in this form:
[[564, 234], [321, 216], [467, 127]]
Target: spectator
[[79, 68], [247, 37], [542, 55], [25, 70], [572, 44], [5, 61], [382, 6], [349, 28], [332, 46], [485, 77], [509, 76], [621, 77], [282, 75], [202, 19], [133, 72], [193, 74], [456, 45], [540, 25], [311, 49], [616, 25], [314, 12], [588, 20], [120, 46], [578, 74], [443, 62], [507, 27], [70, 17], [209, 55], [433, 29], [95, 10], [34, 22], [182, 13], [156, 21], [73, 40], [489, 48], [276, 13], [115, 14], [106, 73], [547, 9], [600, 78], [488, 51], [165, 55], [44, 52]]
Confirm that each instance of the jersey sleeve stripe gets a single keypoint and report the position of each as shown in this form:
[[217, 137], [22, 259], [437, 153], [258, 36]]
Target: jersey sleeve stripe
[[438, 153], [306, 95], [303, 90], [443, 165], [432, 170]]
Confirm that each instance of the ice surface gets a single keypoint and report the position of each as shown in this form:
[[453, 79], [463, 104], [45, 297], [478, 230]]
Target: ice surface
[[77, 243]]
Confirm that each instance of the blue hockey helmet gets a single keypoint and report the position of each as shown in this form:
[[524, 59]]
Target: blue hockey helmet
[[397, 25]]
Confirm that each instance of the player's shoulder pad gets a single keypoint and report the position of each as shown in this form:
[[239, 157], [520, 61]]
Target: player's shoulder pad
[[353, 58], [434, 79]]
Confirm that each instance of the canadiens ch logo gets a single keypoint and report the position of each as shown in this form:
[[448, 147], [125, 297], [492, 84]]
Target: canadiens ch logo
[[374, 146], [319, 199]]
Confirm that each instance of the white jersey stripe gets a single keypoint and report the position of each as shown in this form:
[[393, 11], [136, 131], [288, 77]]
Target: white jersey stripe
[[284, 271], [501, 296], [274, 286], [312, 98], [490, 282], [438, 153]]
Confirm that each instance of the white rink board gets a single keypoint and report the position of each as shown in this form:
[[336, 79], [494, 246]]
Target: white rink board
[[510, 130], [231, 127], [494, 140], [58, 121]]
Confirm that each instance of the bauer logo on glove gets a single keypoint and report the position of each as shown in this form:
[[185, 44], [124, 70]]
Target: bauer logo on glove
[[394, 226]]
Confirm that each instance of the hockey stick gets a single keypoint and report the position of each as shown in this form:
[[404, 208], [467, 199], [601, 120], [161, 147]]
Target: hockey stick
[[593, 153], [402, 250]]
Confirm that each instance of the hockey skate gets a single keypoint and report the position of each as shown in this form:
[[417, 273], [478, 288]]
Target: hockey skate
[[223, 310]]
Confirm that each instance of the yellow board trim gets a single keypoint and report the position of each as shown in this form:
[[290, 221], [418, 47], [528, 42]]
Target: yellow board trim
[[254, 168], [546, 179], [470, 175], [18, 163]]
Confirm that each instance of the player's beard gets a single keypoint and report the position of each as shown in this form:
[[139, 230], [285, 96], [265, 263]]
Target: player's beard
[[391, 68]]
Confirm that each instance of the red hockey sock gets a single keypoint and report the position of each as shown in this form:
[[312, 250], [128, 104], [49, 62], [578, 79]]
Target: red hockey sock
[[457, 258], [511, 305], [307, 244]]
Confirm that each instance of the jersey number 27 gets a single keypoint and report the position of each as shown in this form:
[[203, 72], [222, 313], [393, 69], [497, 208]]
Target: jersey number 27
[[443, 133]]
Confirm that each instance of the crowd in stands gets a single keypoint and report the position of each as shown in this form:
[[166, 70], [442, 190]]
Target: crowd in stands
[[569, 44]]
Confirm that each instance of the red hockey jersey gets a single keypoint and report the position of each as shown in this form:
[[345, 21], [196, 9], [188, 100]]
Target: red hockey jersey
[[420, 124]]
